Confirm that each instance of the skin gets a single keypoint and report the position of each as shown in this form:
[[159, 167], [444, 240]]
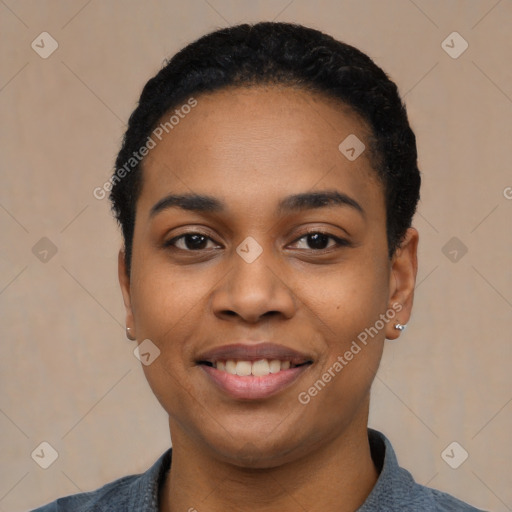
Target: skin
[[250, 148]]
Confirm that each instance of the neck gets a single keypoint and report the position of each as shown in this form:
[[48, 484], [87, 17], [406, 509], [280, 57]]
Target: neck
[[337, 476]]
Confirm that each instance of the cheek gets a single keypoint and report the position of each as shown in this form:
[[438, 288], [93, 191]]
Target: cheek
[[350, 297], [167, 306], [346, 307], [164, 298]]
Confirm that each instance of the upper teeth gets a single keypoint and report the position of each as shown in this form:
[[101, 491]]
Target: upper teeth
[[258, 368]]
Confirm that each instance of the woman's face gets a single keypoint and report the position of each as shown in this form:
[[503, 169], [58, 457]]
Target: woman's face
[[263, 271]]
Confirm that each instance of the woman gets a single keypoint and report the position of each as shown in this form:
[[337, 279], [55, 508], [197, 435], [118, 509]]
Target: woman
[[265, 190]]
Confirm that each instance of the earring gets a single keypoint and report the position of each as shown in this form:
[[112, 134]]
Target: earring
[[129, 334], [400, 327]]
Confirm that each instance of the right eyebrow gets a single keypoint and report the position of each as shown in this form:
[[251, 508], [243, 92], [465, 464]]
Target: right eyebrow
[[191, 202]]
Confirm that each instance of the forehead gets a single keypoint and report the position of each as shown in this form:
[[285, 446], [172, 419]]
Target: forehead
[[256, 143]]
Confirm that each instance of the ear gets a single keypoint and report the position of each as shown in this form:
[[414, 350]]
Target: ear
[[124, 282], [404, 267]]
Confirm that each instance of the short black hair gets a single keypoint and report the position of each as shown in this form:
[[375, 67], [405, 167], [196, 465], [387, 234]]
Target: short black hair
[[278, 53]]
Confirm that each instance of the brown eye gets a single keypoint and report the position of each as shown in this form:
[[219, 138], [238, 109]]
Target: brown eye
[[319, 241], [190, 242]]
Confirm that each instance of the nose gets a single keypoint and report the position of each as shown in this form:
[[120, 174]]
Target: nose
[[253, 292]]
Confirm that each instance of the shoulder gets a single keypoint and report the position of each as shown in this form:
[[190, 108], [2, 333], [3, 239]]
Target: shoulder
[[115, 491], [396, 489], [133, 492], [447, 503]]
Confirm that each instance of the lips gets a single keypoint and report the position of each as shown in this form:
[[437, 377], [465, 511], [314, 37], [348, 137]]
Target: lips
[[253, 371], [247, 352]]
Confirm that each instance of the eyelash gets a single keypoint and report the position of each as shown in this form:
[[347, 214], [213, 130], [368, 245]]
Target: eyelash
[[340, 242]]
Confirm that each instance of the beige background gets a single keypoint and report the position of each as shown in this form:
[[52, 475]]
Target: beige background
[[69, 376]]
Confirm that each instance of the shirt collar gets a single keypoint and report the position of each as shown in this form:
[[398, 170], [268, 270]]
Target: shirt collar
[[393, 482], [144, 495]]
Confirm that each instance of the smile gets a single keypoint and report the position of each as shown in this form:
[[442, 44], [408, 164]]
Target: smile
[[249, 371], [259, 368]]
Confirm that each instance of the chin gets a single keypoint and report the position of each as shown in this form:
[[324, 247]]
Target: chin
[[256, 450], [252, 456]]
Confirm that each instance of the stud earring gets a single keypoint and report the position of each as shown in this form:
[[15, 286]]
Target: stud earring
[[129, 334], [400, 327]]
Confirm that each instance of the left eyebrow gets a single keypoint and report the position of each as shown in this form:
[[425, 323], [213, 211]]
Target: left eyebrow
[[297, 202], [321, 199]]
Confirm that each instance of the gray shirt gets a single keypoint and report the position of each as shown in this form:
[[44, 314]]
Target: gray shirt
[[394, 491]]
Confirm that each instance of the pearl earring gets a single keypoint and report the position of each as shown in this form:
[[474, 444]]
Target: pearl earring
[[129, 334]]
